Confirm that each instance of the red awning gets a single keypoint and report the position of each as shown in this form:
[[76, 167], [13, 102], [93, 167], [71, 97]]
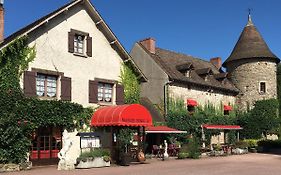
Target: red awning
[[226, 127], [191, 102], [162, 129], [122, 115], [227, 108]]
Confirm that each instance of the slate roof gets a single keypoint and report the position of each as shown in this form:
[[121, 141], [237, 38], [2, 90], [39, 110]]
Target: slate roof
[[169, 61], [250, 45]]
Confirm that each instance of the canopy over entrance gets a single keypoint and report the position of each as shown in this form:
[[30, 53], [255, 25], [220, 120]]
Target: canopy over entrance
[[122, 115], [162, 129], [226, 127]]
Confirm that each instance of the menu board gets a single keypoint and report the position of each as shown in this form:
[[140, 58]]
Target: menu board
[[90, 142]]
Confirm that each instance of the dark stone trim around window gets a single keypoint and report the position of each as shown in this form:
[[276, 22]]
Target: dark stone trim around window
[[79, 32], [100, 80], [48, 72]]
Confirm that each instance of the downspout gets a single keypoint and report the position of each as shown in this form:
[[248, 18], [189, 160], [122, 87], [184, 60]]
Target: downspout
[[166, 98]]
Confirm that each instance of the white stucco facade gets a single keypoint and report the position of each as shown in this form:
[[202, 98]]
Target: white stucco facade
[[51, 42]]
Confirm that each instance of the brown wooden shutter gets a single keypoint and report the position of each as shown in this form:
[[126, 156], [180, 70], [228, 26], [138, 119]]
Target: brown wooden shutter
[[89, 46], [71, 42], [29, 83], [119, 94], [93, 91], [65, 88]]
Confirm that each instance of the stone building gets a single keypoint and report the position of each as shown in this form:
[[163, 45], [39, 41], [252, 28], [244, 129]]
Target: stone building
[[250, 73], [180, 76], [252, 68]]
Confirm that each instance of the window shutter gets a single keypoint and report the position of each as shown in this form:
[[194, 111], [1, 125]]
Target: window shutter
[[89, 46], [29, 83], [93, 91], [71, 42], [65, 88], [119, 94]]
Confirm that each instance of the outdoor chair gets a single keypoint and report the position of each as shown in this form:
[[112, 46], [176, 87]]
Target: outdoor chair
[[172, 150], [155, 150]]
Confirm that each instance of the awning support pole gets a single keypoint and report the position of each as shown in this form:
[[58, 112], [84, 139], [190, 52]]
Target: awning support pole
[[203, 137]]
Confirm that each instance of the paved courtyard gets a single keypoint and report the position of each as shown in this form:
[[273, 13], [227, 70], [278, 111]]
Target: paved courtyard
[[249, 164]]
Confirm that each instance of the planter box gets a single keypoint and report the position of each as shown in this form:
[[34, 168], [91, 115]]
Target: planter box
[[92, 163]]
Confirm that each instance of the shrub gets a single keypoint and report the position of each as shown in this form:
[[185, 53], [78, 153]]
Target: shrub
[[252, 143], [270, 143], [182, 155], [241, 144], [97, 152]]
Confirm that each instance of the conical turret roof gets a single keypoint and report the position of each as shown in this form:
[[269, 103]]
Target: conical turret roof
[[250, 45]]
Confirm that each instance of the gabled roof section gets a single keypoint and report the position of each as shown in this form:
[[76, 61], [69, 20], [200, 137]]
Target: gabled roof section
[[250, 45], [184, 67], [100, 23], [169, 60], [204, 71]]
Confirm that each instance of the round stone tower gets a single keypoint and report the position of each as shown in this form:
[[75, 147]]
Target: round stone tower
[[252, 68]]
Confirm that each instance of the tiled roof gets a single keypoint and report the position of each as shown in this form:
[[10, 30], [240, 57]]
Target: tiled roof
[[169, 61]]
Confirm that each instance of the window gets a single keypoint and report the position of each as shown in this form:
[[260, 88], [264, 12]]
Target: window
[[79, 44], [46, 85], [262, 87], [105, 92]]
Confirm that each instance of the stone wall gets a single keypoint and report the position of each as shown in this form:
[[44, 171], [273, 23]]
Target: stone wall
[[201, 95], [247, 75]]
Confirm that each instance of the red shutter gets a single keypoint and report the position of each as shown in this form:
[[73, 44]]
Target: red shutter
[[71, 42], [29, 84], [119, 94], [93, 91], [89, 46], [65, 88]]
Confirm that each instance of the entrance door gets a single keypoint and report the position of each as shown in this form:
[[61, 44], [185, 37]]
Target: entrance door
[[46, 143]]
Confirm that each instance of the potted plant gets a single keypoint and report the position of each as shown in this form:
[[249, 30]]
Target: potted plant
[[124, 138], [97, 157]]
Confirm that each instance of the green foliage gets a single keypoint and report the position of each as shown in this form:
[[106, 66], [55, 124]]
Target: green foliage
[[279, 85], [182, 155], [178, 117], [252, 143], [242, 144], [270, 143], [262, 119], [97, 152], [131, 85], [124, 138], [19, 116], [190, 149], [14, 60]]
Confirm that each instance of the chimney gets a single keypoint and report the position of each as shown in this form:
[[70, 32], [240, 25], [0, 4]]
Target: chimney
[[1, 20], [216, 61], [149, 44]]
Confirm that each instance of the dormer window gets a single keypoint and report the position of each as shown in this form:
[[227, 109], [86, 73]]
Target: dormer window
[[221, 77], [185, 69], [204, 73], [79, 43]]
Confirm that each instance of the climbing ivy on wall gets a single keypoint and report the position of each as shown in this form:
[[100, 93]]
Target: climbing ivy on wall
[[131, 85], [20, 116], [178, 117]]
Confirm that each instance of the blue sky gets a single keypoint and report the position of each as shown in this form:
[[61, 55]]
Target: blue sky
[[201, 28]]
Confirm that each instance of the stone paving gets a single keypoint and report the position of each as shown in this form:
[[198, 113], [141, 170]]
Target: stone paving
[[249, 164]]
